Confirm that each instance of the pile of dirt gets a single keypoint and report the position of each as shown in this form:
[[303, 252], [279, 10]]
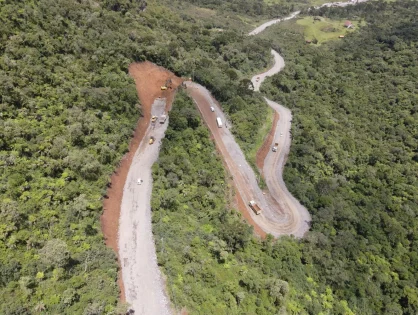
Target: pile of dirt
[[148, 79]]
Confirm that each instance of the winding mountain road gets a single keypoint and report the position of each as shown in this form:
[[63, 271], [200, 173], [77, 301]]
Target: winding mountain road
[[282, 213]]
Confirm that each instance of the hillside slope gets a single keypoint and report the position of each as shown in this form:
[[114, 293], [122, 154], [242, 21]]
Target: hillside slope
[[354, 157]]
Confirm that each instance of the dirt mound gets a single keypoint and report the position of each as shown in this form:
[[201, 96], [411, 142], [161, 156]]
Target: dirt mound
[[264, 149], [148, 79]]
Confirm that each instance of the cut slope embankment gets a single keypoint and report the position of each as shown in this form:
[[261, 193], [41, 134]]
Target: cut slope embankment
[[148, 79]]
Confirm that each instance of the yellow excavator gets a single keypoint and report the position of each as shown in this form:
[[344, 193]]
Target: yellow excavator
[[168, 85]]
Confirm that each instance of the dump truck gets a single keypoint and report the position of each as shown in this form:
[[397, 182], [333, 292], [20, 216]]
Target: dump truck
[[219, 122], [151, 140], [254, 206], [276, 145], [163, 118]]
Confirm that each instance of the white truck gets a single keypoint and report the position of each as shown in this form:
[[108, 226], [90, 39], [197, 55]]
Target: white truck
[[163, 118], [219, 122], [276, 145]]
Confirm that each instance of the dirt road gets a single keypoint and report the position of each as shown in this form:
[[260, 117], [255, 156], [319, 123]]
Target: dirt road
[[277, 67], [281, 214], [144, 287], [263, 26]]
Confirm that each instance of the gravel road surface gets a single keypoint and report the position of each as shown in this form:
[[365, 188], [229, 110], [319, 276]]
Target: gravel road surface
[[144, 287], [281, 213], [277, 67], [262, 27]]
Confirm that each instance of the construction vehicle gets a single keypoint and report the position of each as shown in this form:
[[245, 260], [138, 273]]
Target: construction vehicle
[[163, 118], [219, 122], [168, 85], [276, 145], [154, 119], [254, 206], [151, 140]]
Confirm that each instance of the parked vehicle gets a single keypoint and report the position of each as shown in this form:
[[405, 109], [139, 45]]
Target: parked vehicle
[[163, 118], [154, 118], [151, 140], [212, 109]]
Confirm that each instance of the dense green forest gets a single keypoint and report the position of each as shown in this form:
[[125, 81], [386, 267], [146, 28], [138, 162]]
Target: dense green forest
[[251, 7], [354, 154], [353, 164], [67, 112]]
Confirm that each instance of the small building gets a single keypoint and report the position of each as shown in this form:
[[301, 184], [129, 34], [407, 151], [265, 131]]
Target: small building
[[348, 24], [308, 41]]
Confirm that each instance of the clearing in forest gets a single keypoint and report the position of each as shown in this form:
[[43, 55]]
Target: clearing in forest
[[324, 29]]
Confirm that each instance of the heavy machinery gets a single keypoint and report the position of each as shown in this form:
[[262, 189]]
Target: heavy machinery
[[151, 140], [254, 206], [168, 85]]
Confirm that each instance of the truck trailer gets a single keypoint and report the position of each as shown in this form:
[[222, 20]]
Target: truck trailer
[[254, 206], [219, 122]]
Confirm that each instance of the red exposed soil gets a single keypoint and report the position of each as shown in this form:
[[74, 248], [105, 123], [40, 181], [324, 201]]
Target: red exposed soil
[[268, 142], [148, 79], [239, 202]]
